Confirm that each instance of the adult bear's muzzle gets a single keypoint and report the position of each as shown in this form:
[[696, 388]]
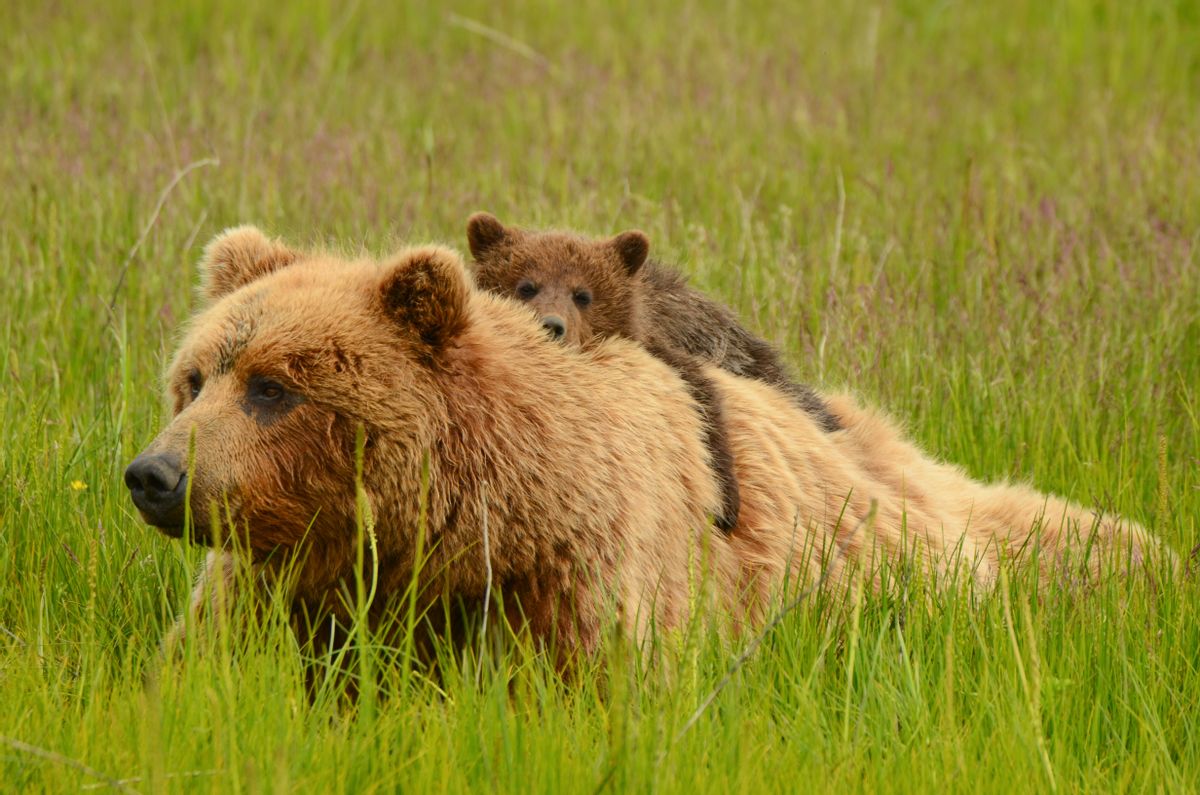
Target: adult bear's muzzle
[[158, 484]]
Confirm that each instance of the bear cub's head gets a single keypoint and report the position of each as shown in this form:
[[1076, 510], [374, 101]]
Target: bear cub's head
[[583, 290]]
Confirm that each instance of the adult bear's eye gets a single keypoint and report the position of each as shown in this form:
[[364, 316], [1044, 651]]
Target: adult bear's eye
[[270, 391], [269, 401], [195, 383], [583, 299], [265, 391], [526, 289]]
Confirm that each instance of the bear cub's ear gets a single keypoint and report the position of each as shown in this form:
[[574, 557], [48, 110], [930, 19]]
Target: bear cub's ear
[[425, 290], [485, 232], [632, 247], [237, 257]]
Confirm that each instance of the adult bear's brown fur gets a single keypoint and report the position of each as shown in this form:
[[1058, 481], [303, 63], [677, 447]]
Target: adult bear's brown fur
[[595, 499], [586, 290]]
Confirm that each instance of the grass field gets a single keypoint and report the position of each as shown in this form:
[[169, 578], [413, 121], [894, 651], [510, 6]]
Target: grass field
[[981, 216]]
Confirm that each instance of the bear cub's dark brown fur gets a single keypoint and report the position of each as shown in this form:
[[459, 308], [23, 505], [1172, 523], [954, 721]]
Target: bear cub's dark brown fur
[[586, 289]]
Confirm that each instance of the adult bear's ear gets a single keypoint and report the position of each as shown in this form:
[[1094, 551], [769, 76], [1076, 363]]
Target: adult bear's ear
[[485, 232], [632, 247], [425, 290], [237, 257]]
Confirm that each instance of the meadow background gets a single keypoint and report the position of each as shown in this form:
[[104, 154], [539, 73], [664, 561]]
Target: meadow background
[[981, 216]]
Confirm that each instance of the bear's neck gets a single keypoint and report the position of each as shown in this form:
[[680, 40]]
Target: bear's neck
[[498, 426], [495, 480]]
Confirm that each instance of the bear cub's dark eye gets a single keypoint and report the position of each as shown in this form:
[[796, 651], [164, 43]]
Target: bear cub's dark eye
[[582, 298], [526, 289], [194, 383]]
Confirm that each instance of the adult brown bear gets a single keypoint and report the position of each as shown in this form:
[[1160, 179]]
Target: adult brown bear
[[600, 484]]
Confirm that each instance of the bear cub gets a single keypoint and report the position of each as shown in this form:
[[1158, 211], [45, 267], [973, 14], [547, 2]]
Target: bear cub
[[586, 289]]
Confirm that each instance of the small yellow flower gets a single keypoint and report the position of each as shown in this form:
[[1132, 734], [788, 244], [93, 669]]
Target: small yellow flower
[[78, 485]]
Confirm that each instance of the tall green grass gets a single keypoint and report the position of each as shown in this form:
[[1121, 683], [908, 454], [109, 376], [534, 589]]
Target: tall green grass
[[983, 217]]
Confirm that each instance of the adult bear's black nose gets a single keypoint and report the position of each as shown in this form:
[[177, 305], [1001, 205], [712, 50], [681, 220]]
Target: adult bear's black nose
[[555, 326], [158, 485]]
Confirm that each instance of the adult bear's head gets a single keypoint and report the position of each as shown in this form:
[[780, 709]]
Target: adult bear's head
[[289, 354]]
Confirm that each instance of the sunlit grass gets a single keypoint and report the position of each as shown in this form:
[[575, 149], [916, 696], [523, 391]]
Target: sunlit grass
[[983, 217]]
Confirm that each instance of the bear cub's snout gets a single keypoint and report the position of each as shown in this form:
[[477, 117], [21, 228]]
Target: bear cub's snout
[[555, 325]]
